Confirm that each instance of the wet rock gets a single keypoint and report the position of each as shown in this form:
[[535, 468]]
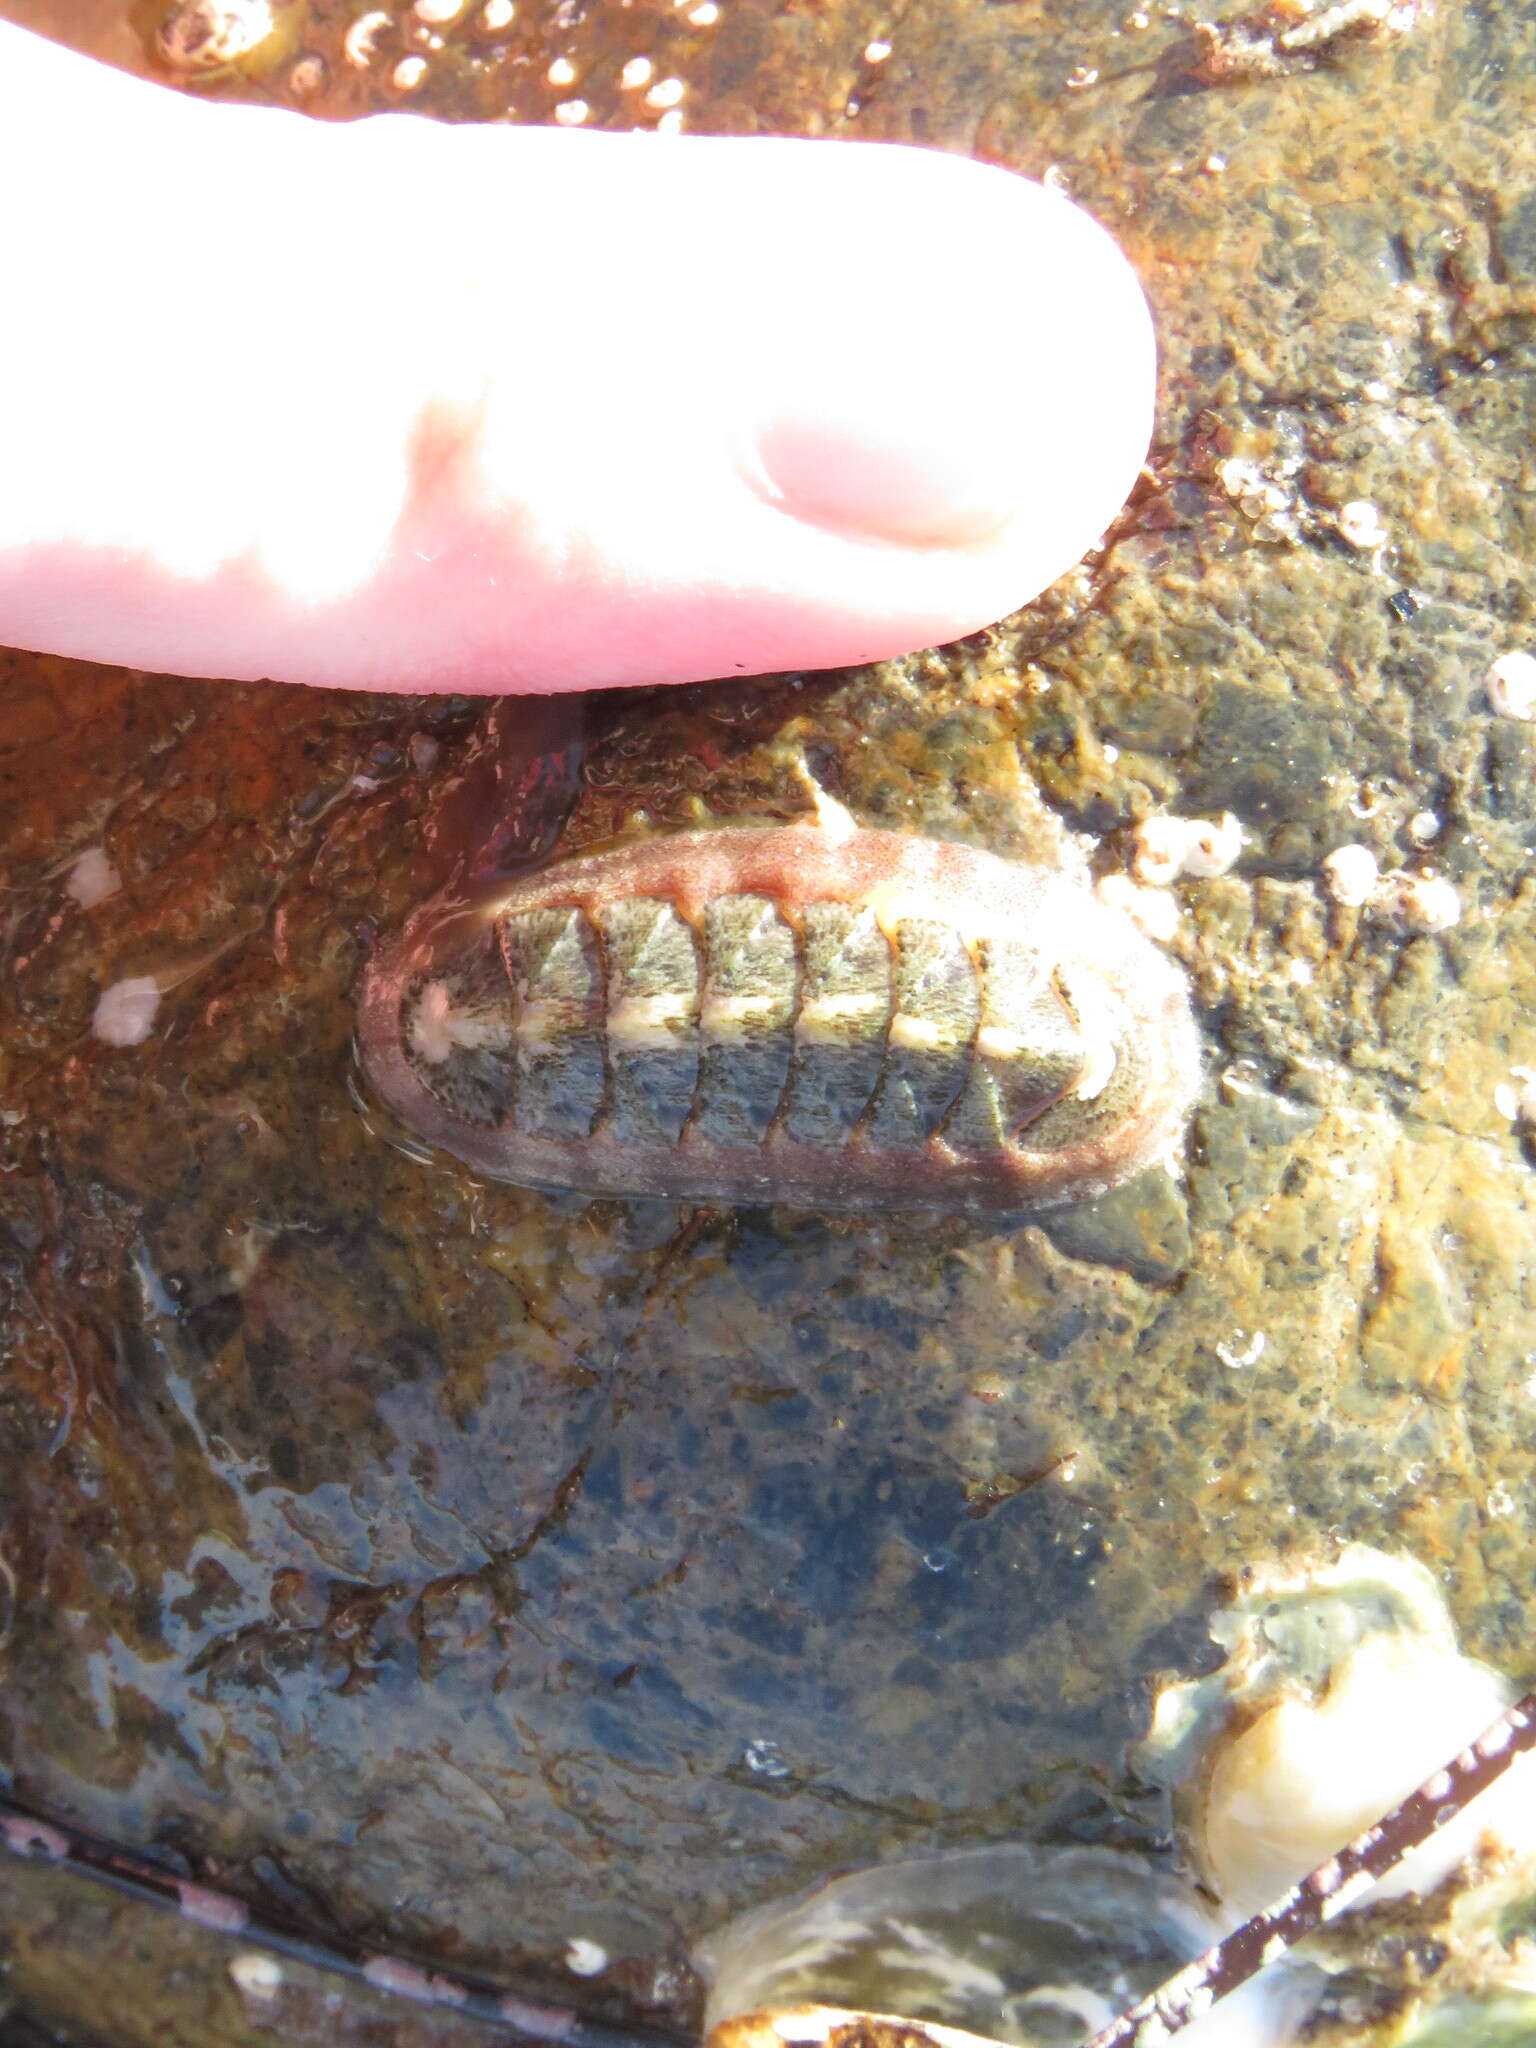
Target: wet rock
[[480, 1571]]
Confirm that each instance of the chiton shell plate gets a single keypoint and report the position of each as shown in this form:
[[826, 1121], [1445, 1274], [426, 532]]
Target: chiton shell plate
[[869, 1020]]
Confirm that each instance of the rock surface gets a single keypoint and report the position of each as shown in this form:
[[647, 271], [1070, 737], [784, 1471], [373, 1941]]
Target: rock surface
[[475, 1572]]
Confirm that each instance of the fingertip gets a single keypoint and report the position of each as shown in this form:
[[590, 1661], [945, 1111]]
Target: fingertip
[[995, 389], [773, 404]]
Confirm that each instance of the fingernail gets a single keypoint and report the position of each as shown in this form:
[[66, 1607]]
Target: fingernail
[[893, 401], [931, 475]]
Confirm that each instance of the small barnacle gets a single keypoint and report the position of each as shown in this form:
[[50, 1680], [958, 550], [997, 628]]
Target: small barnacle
[[1164, 848], [1350, 875], [204, 35], [1515, 1099], [203, 39], [125, 1012], [1420, 903], [256, 1976], [92, 878], [1512, 684], [1267, 497], [814, 1013], [360, 41], [1360, 525], [306, 77]]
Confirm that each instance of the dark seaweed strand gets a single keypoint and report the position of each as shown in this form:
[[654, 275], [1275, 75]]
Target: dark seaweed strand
[[28, 1836], [1329, 1889]]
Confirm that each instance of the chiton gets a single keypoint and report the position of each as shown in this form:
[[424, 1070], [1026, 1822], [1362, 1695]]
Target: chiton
[[848, 1019]]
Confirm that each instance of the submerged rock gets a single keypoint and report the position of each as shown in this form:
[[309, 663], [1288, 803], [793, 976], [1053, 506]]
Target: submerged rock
[[472, 1573]]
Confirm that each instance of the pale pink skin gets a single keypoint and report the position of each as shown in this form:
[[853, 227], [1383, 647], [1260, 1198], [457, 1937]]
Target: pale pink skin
[[794, 865], [408, 406]]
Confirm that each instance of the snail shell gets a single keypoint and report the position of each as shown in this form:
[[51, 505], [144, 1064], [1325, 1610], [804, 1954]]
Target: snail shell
[[840, 1020]]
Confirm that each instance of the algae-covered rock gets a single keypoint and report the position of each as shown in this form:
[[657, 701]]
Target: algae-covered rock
[[472, 1572]]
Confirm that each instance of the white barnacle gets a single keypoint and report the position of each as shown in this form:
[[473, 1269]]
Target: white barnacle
[[92, 878], [256, 1976], [1511, 684], [997, 1042], [1360, 525], [1350, 875], [306, 76], [1157, 855], [1243, 1350], [206, 35], [1420, 903], [1167, 847], [362, 34], [1213, 848], [1515, 1099], [125, 1012]]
